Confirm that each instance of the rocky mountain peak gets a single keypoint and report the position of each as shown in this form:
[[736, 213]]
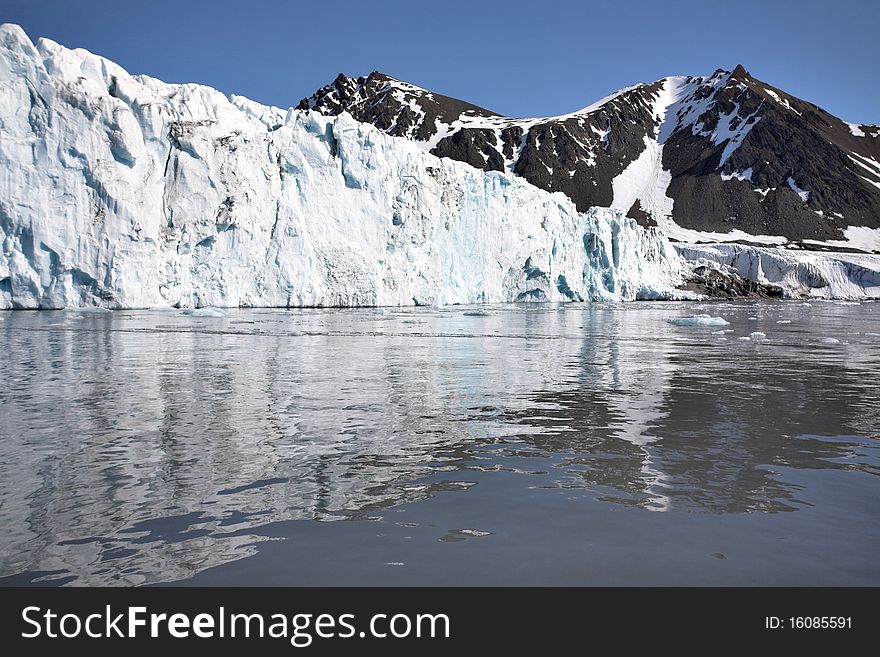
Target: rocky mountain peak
[[725, 156]]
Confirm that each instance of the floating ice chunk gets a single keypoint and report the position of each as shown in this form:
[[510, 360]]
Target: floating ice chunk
[[829, 341], [204, 312], [97, 310], [872, 334], [805, 305], [757, 335], [744, 339], [477, 313], [721, 332], [699, 320], [472, 532], [754, 319], [784, 321]]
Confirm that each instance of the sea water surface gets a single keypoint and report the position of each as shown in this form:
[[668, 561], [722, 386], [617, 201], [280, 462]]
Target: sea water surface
[[576, 444]]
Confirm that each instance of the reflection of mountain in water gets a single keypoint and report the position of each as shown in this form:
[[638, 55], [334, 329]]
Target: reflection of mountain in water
[[146, 447], [664, 425]]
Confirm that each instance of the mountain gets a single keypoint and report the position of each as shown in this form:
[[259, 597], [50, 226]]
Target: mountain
[[123, 191], [719, 158]]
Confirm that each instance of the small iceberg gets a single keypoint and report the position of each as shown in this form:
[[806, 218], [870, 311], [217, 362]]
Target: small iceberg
[[744, 339], [829, 341], [92, 310], [477, 313], [805, 305], [784, 321], [699, 320], [757, 335], [204, 312]]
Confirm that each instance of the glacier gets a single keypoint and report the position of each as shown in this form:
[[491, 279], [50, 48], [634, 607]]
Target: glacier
[[828, 275], [123, 191]]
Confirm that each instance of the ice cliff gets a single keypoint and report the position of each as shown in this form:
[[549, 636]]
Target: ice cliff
[[799, 273], [123, 191]]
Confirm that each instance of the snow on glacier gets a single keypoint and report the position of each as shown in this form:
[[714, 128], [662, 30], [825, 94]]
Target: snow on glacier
[[123, 191]]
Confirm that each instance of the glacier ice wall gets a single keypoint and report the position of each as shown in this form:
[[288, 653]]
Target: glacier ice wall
[[799, 273], [123, 191]]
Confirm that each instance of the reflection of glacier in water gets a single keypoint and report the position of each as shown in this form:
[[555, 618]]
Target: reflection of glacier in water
[[150, 446]]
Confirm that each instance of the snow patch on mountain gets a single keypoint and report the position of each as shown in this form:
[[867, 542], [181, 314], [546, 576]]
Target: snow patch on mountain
[[738, 175], [645, 180], [804, 194], [855, 129], [859, 237], [782, 101]]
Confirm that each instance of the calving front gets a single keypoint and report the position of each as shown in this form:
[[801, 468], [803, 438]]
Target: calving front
[[125, 192]]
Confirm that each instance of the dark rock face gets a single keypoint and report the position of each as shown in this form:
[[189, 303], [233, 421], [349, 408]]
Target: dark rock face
[[734, 152], [396, 107], [790, 139], [723, 285]]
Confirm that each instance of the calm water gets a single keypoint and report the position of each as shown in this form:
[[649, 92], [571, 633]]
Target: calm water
[[543, 444]]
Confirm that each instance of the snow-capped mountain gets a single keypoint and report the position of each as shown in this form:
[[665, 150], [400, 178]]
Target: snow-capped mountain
[[724, 157], [124, 191]]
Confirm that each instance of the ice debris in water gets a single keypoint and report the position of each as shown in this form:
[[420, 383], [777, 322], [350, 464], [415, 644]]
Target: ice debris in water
[[472, 532], [757, 335], [829, 341], [477, 313], [805, 305], [92, 310], [754, 319], [872, 334], [699, 320], [204, 312], [784, 321], [744, 339]]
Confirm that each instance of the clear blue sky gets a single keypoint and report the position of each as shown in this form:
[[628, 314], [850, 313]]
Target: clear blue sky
[[518, 58]]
